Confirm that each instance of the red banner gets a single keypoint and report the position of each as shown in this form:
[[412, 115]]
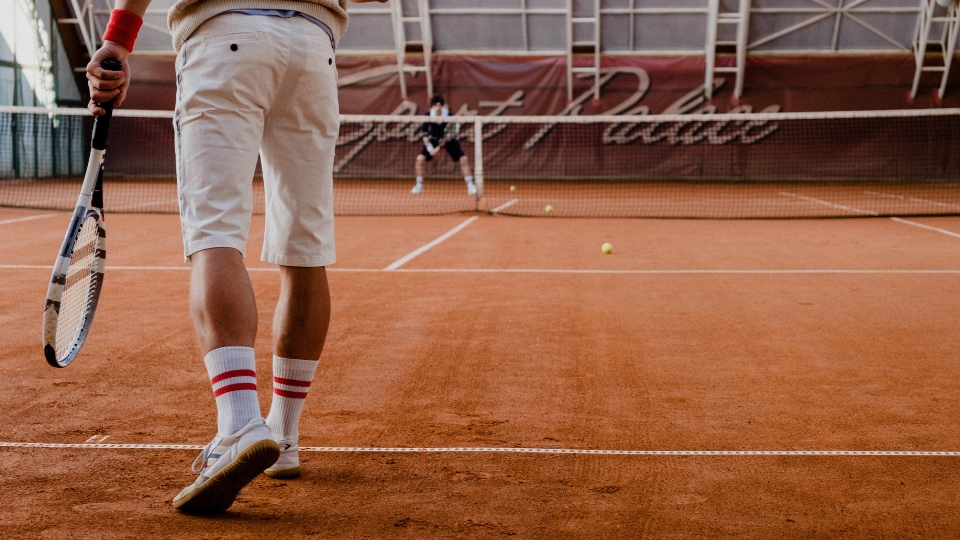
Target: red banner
[[538, 86]]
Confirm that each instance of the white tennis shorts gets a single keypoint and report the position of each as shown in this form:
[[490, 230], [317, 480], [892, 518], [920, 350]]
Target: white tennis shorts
[[249, 85]]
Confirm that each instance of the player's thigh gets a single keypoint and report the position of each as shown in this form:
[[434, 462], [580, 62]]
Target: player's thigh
[[454, 149], [300, 136], [218, 124]]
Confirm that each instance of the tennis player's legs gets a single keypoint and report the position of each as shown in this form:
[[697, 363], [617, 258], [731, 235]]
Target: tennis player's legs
[[297, 153], [232, 75], [300, 136], [281, 96], [420, 168], [457, 155], [225, 77]]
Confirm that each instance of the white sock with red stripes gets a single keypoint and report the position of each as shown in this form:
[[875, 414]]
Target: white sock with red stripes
[[291, 382], [233, 375]]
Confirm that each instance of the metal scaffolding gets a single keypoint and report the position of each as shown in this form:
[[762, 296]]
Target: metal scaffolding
[[584, 31], [405, 45], [740, 20], [935, 16], [576, 43]]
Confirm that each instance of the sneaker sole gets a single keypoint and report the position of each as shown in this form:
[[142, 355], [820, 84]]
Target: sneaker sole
[[219, 492], [291, 472]]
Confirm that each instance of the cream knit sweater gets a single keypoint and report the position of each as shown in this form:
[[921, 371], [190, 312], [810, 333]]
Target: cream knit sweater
[[187, 15]]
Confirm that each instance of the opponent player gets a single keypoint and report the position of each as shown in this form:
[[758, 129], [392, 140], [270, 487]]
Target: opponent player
[[434, 134], [251, 80]]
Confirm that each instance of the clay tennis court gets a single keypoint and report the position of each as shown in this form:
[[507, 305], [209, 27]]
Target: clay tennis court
[[756, 378]]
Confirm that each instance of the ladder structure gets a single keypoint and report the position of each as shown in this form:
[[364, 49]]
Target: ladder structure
[[945, 14], [740, 19], [583, 45], [405, 45]]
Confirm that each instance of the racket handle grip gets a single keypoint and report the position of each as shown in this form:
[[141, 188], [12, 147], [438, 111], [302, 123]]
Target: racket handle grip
[[101, 124]]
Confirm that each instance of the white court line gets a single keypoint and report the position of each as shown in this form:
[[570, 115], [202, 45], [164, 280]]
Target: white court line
[[127, 208], [508, 450], [422, 249], [912, 199], [869, 213], [830, 204], [504, 205], [664, 272], [927, 227], [532, 270], [28, 218]]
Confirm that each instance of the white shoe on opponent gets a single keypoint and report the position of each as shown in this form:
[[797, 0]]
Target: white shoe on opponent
[[288, 464], [471, 189], [225, 466], [417, 189]]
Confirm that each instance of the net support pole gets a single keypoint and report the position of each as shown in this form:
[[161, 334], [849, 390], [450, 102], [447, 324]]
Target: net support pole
[[478, 157]]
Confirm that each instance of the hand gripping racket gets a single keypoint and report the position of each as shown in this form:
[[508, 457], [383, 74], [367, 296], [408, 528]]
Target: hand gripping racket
[[78, 273]]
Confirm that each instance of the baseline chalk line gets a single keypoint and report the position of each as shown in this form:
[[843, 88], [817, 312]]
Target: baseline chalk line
[[667, 272], [506, 450]]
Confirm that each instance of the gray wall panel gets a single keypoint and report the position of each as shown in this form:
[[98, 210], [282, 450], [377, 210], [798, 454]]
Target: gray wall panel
[[670, 33], [546, 33], [368, 33], [482, 32]]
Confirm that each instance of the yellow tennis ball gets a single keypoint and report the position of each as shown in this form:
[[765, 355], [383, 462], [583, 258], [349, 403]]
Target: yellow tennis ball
[[607, 248], [513, 188], [548, 209]]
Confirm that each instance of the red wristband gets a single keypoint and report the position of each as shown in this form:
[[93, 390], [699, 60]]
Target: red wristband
[[123, 28]]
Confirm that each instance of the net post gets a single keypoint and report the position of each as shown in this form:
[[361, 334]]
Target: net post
[[478, 157]]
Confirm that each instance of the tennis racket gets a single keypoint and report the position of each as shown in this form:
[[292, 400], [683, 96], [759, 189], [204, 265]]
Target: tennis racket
[[78, 273], [451, 133], [447, 135]]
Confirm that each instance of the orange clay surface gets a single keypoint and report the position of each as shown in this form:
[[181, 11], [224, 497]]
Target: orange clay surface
[[516, 333]]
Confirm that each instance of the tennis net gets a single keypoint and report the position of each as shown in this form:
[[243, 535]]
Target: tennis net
[[739, 165]]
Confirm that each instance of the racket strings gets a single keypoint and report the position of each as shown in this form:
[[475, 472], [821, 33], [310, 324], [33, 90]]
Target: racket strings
[[80, 288]]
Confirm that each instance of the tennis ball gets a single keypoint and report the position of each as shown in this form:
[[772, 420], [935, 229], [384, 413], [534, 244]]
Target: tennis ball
[[607, 248], [513, 188], [548, 209]]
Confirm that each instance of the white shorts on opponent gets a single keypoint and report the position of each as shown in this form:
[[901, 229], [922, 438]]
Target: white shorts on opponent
[[249, 85]]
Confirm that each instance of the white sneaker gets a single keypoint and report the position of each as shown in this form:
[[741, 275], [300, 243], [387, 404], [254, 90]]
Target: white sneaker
[[471, 189], [228, 464], [288, 464], [417, 189]]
